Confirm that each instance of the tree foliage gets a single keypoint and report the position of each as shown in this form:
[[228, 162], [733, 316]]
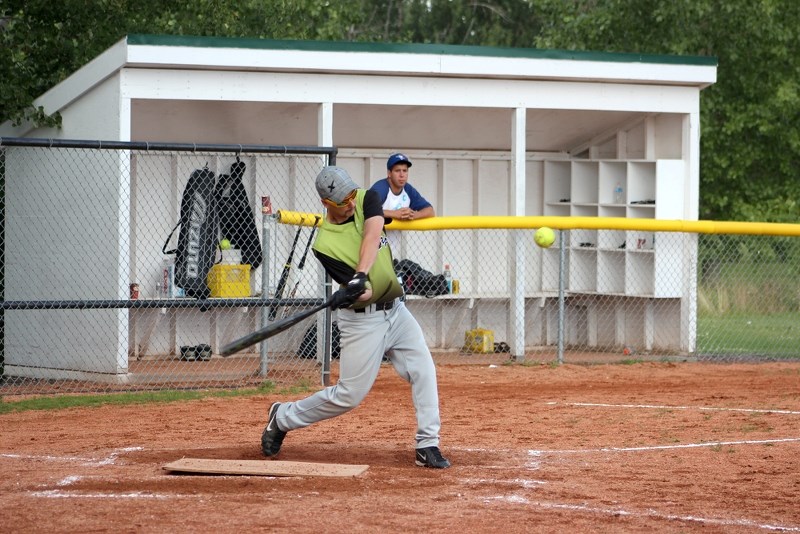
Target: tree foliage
[[750, 117], [44, 41]]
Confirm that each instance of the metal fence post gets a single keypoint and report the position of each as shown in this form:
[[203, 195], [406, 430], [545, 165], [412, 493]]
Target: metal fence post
[[266, 217], [562, 260]]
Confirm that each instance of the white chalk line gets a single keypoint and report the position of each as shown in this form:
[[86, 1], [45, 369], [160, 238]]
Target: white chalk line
[[534, 462], [44, 458], [666, 447], [108, 460], [667, 407], [60, 494], [71, 479], [536, 453], [66, 481], [518, 499], [523, 482]]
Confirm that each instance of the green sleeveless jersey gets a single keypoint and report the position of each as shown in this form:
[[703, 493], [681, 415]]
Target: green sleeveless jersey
[[343, 242]]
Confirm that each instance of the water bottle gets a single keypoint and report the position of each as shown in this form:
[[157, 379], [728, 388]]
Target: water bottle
[[448, 277], [619, 194]]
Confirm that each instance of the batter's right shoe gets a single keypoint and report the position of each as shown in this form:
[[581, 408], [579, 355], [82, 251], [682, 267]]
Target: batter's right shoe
[[272, 437], [431, 457]]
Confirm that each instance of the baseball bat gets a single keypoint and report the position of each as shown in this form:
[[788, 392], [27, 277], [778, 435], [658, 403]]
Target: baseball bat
[[302, 263], [270, 330], [273, 310]]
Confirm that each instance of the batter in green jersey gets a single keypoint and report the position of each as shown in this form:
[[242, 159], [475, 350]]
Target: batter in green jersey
[[374, 322]]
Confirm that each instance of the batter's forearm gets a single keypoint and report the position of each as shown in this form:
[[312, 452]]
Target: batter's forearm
[[368, 252]]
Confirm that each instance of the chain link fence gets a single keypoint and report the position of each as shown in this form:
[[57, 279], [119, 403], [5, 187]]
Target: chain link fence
[[606, 296], [90, 301], [90, 298]]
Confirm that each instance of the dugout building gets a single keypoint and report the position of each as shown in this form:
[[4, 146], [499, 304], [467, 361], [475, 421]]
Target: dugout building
[[490, 131]]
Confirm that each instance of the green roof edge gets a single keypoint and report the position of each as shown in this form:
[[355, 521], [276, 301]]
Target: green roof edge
[[415, 48]]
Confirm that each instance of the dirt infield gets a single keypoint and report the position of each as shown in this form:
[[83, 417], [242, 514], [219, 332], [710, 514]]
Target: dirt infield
[[647, 447]]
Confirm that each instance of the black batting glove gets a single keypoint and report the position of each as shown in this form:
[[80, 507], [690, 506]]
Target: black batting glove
[[341, 299], [357, 285], [348, 295]]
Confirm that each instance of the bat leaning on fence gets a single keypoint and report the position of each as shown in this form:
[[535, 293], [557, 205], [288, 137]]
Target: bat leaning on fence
[[287, 267], [298, 272], [270, 330]]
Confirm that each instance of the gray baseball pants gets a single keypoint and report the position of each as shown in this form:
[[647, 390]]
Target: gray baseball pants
[[366, 337]]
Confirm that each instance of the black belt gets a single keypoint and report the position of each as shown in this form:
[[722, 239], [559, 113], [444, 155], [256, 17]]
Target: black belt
[[378, 306]]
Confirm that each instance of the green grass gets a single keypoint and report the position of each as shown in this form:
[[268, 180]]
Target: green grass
[[750, 287], [150, 397], [749, 305], [764, 334]]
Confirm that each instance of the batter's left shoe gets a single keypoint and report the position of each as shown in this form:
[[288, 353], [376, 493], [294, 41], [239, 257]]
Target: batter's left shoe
[[431, 457], [272, 437]]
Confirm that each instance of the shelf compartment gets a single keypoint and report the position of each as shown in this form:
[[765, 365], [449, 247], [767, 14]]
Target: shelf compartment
[[583, 271], [550, 261], [639, 241], [584, 182], [641, 181], [583, 210], [611, 211], [611, 271], [639, 273], [583, 239], [557, 182], [612, 173], [642, 211], [557, 210], [611, 240]]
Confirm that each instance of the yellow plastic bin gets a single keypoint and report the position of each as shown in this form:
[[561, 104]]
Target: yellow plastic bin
[[229, 281], [478, 340]]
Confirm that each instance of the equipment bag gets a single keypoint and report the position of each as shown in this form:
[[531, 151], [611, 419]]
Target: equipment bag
[[308, 347], [197, 239], [236, 221], [418, 281]]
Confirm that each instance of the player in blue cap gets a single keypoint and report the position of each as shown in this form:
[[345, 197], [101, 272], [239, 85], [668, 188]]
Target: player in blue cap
[[400, 199]]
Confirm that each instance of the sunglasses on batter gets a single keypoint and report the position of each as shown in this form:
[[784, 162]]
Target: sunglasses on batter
[[343, 204]]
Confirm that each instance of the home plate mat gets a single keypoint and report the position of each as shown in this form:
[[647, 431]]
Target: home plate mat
[[274, 468]]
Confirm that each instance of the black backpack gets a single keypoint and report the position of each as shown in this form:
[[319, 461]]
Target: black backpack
[[236, 221], [197, 239], [418, 281], [308, 347]]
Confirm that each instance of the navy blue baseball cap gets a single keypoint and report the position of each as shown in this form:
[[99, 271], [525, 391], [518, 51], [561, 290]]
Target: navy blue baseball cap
[[394, 159]]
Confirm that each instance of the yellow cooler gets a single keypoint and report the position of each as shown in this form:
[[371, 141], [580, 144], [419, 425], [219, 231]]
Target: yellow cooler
[[229, 281], [478, 340]]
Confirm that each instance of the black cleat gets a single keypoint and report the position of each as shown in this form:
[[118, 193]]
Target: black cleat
[[272, 437], [431, 457]]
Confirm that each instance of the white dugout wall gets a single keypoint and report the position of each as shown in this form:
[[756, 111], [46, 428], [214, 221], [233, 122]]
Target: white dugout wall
[[484, 127]]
